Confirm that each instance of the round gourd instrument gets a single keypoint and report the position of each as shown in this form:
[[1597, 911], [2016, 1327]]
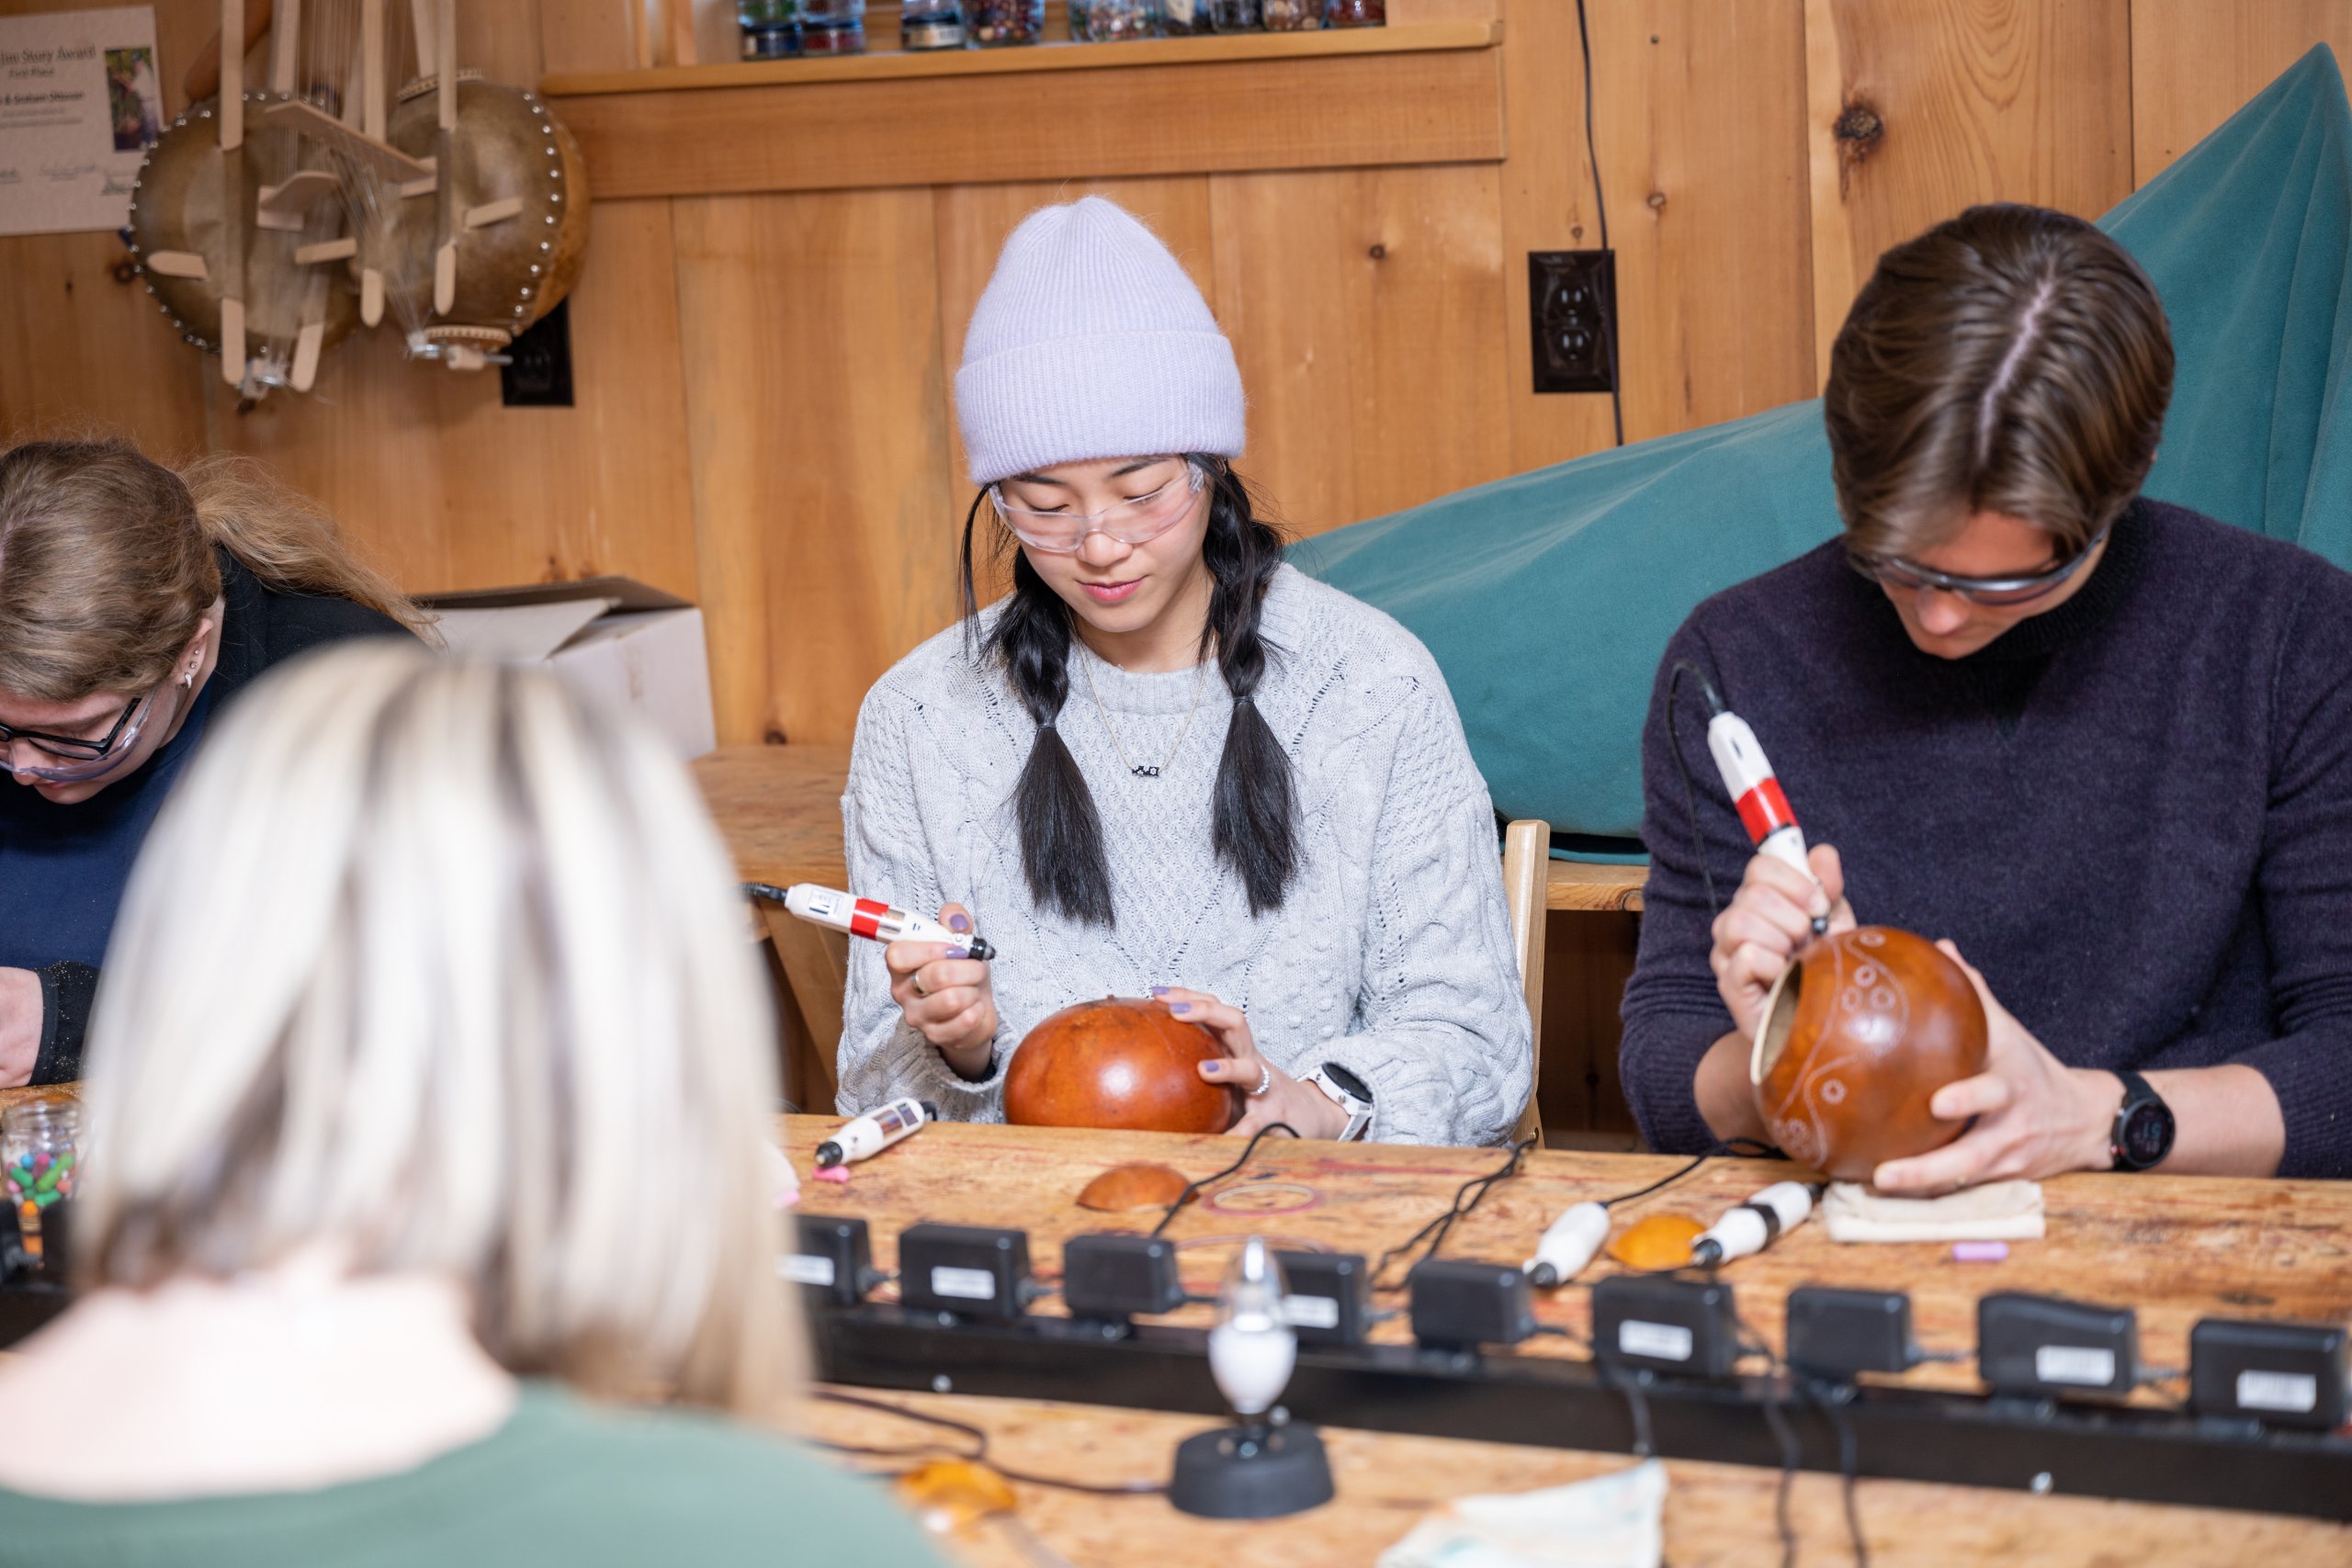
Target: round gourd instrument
[[270, 223]]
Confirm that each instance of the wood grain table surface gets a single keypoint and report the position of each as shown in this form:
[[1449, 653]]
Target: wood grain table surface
[[779, 809], [2176, 1248]]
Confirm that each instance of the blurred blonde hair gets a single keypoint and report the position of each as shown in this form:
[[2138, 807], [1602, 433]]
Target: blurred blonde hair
[[427, 961]]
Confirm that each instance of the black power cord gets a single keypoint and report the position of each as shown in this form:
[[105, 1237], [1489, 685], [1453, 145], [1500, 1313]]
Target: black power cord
[[1690, 795], [1444, 1223], [1601, 212], [1830, 1399], [1250, 1148], [1666, 1180], [1782, 1433], [978, 1454]]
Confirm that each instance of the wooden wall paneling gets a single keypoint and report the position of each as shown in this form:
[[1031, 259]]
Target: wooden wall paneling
[[1289, 248], [817, 431], [1339, 110], [589, 35], [1545, 189], [1588, 959], [503, 41], [449, 489], [1409, 13], [1362, 309], [1431, 416], [82, 353], [1700, 114], [2195, 63], [1918, 108]]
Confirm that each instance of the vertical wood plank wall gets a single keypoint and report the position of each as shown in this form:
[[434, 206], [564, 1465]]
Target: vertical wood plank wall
[[763, 417]]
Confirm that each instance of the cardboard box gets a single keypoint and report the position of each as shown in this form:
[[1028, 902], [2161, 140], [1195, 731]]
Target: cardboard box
[[612, 639]]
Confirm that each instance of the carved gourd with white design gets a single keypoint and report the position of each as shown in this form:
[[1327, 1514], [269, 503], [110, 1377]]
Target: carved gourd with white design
[[1856, 1036]]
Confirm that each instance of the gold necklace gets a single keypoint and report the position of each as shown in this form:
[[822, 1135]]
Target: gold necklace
[[1200, 684]]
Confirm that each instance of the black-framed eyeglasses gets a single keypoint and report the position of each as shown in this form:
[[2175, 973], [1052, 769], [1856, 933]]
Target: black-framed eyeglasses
[[79, 757], [1992, 592]]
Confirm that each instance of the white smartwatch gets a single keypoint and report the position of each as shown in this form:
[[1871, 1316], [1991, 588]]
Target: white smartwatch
[[1349, 1093]]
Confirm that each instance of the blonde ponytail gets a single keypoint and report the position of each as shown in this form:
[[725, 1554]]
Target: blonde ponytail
[[106, 562], [284, 539]]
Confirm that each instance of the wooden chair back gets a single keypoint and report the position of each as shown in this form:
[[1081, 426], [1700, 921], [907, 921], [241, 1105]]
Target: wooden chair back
[[1527, 856]]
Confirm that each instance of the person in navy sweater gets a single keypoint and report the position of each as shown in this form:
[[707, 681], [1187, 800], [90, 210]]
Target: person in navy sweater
[[134, 602], [2099, 745]]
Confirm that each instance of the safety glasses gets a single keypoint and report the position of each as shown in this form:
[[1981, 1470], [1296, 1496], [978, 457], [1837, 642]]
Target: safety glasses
[[1992, 592], [1137, 521], [71, 759]]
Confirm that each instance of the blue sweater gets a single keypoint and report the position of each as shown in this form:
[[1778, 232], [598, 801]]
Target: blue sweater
[[62, 868], [2133, 813]]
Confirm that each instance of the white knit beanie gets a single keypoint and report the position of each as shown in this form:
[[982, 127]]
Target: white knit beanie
[[1090, 342]]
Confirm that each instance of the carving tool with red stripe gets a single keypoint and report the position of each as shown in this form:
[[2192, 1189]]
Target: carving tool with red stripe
[[1756, 791], [864, 916]]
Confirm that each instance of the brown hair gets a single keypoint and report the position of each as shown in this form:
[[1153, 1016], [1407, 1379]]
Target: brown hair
[[2011, 359], [106, 561]]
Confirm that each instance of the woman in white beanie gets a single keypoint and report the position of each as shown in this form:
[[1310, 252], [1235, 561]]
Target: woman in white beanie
[[1322, 889]]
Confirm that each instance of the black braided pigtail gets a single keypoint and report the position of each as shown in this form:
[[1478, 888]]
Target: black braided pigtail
[[1061, 833], [1255, 819]]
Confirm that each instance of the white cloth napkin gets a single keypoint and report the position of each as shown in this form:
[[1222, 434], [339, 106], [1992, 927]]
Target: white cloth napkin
[[1610, 1521], [1998, 1210]]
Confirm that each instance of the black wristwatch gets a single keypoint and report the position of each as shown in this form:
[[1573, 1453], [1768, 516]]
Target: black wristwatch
[[2144, 1126]]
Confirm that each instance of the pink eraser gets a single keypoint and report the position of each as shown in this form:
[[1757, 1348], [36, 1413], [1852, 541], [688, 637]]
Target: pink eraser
[[841, 1173], [1978, 1251]]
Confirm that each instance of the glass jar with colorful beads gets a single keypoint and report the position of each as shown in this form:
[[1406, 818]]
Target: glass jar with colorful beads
[[1109, 21], [832, 26], [1290, 16], [931, 24], [39, 1148], [771, 29], [990, 23]]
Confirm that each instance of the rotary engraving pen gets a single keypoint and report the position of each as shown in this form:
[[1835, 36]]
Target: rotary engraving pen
[[1756, 791], [864, 916]]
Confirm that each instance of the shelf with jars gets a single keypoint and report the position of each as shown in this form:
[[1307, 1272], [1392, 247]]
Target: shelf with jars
[[1358, 96]]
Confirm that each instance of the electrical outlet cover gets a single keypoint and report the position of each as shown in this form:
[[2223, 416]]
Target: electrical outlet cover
[[1572, 319]]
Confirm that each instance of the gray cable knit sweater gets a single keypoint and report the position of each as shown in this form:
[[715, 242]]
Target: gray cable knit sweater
[[1391, 954]]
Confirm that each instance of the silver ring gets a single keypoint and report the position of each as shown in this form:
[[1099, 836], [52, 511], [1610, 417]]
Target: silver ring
[[1265, 1079], [917, 982]]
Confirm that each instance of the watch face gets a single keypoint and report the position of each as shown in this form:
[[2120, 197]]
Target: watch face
[[2147, 1135], [1347, 1080]]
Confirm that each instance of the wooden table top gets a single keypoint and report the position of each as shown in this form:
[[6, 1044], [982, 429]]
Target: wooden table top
[[2178, 1248], [1717, 1516], [779, 809]]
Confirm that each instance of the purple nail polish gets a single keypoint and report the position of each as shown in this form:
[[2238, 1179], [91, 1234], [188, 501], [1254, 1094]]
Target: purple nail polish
[[957, 953], [1180, 1007], [1159, 990], [959, 922], [1979, 1251]]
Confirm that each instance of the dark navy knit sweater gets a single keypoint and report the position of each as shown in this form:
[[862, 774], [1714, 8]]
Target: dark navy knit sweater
[[2133, 813]]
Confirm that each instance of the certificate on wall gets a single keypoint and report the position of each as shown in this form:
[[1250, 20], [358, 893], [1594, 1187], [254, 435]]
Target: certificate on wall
[[80, 100]]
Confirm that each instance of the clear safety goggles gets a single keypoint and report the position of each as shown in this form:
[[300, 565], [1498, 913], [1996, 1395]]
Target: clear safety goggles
[[1137, 521], [70, 759], [1992, 592]]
